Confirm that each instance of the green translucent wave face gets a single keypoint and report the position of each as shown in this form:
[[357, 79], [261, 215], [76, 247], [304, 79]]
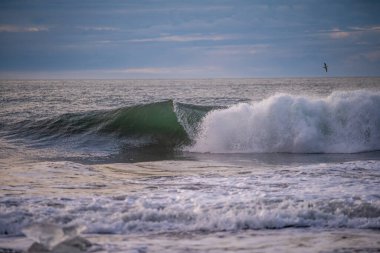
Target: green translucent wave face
[[166, 122], [157, 120]]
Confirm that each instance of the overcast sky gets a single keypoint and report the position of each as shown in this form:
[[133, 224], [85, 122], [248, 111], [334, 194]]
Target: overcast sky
[[188, 39]]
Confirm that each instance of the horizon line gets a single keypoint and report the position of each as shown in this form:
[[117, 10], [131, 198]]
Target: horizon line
[[192, 78]]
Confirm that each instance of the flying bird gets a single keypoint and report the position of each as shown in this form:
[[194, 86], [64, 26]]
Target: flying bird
[[325, 66]]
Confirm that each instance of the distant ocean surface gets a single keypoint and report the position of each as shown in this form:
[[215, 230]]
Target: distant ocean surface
[[213, 165]]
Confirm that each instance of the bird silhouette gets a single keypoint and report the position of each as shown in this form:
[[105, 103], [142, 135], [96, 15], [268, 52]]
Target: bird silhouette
[[325, 66]]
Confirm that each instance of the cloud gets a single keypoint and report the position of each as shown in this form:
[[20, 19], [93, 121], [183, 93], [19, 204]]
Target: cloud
[[133, 72], [375, 28], [373, 56], [174, 8], [185, 38], [164, 71], [146, 70], [17, 28], [237, 49], [338, 34], [157, 70], [98, 28]]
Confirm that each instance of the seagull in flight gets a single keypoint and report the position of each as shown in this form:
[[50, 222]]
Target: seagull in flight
[[325, 66]]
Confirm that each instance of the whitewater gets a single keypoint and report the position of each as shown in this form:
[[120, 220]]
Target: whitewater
[[343, 122], [216, 165]]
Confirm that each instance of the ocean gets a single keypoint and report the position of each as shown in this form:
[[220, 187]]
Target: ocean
[[206, 165]]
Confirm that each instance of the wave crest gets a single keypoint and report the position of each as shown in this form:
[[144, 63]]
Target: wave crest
[[344, 122]]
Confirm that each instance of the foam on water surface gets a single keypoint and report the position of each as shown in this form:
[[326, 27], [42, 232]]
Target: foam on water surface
[[343, 122], [161, 197], [50, 235]]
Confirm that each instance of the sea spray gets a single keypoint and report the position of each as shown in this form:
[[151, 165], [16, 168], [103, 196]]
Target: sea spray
[[344, 122]]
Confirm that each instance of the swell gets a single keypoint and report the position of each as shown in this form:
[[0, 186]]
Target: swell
[[165, 123], [344, 122]]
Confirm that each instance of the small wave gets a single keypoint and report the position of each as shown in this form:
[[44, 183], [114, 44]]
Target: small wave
[[344, 122], [196, 214], [172, 197]]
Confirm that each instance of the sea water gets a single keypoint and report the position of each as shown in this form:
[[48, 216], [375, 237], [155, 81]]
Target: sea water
[[216, 165]]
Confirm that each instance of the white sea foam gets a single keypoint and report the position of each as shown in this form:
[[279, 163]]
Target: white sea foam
[[331, 195], [50, 235], [344, 122]]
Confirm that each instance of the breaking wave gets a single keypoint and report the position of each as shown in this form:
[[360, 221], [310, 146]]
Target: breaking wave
[[344, 122]]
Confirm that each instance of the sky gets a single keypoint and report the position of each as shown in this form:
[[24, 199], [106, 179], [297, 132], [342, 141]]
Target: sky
[[188, 39]]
